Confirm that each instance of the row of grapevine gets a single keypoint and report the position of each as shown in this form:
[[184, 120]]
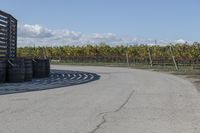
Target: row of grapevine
[[180, 51]]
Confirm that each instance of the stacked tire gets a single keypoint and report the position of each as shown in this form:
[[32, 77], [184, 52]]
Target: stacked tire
[[47, 67], [28, 69], [2, 71], [41, 68], [16, 70], [20, 70]]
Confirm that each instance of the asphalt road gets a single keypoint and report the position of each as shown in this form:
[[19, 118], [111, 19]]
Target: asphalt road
[[122, 101]]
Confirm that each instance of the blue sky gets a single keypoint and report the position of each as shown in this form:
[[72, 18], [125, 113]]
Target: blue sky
[[96, 19]]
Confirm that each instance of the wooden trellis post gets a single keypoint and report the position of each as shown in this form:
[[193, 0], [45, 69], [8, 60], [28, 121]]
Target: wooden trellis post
[[173, 58], [127, 57], [44, 53], [150, 58]]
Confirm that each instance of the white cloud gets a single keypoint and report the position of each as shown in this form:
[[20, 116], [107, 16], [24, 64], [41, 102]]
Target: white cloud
[[180, 41], [99, 38], [29, 35], [38, 35], [33, 31]]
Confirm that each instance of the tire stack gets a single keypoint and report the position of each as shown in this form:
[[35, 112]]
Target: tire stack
[[23, 70], [39, 70], [47, 67], [2, 71], [15, 70], [28, 69]]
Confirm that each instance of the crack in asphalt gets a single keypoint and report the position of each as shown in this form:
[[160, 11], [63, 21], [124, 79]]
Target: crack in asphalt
[[99, 125], [115, 111]]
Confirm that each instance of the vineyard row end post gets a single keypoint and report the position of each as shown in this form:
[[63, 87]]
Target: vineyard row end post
[[173, 58]]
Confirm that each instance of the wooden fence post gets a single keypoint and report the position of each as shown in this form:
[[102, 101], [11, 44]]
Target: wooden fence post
[[150, 58], [173, 58], [44, 53], [127, 57]]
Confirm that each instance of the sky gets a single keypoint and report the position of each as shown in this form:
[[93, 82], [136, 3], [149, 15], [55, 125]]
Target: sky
[[77, 22]]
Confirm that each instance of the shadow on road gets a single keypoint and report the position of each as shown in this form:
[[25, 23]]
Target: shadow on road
[[57, 79]]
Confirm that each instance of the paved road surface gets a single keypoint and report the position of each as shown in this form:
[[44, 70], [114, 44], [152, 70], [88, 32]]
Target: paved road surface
[[122, 101]]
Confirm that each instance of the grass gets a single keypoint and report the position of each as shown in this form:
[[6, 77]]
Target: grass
[[91, 64], [183, 70]]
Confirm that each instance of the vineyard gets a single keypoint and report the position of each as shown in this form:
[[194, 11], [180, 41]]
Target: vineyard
[[179, 54]]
